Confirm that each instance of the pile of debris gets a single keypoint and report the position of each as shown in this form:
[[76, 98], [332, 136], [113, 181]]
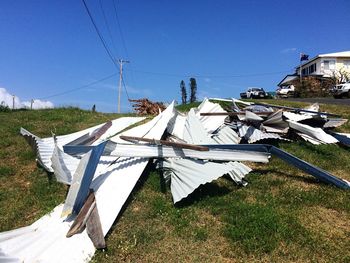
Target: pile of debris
[[147, 107], [255, 122], [102, 169]]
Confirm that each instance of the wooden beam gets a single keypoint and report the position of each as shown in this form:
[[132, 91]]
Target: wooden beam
[[167, 143], [89, 218], [232, 113]]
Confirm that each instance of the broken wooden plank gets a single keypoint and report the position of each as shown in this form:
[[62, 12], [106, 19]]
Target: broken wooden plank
[[89, 139], [94, 229], [79, 223], [167, 143], [232, 113], [89, 219]]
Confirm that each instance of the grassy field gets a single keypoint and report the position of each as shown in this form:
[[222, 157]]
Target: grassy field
[[283, 215]]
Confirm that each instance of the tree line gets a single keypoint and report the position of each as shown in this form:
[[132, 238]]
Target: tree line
[[193, 91]]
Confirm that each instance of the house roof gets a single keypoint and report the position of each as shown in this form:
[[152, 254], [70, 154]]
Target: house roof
[[337, 54], [287, 79], [343, 54]]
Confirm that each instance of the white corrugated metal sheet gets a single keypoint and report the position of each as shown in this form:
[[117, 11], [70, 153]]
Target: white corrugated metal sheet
[[45, 240], [225, 135], [334, 122], [45, 146], [316, 133], [295, 116], [275, 123], [155, 151], [63, 165], [194, 131], [210, 123], [187, 175], [252, 134]]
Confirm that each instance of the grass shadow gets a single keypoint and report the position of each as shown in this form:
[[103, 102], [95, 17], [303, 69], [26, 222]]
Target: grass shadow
[[309, 179], [203, 192]]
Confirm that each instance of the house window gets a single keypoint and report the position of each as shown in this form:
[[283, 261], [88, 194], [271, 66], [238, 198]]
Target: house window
[[347, 64], [326, 65], [312, 68], [329, 64]]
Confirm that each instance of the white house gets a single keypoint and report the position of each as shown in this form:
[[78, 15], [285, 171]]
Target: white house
[[321, 66]]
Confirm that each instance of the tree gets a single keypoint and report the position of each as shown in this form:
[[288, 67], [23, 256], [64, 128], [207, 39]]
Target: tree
[[193, 86], [183, 92], [340, 76]]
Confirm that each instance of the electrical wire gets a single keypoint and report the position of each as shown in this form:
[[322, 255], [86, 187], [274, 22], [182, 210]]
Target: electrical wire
[[99, 34], [126, 91], [109, 53], [81, 87], [120, 29], [108, 27], [123, 39], [210, 76]]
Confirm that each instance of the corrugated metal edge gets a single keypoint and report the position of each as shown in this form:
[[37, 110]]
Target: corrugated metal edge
[[316, 133], [44, 147], [187, 174]]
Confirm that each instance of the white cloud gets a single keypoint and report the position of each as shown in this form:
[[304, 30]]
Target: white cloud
[[289, 50], [7, 99], [39, 104]]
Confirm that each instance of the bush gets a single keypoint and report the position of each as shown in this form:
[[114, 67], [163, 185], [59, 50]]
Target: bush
[[312, 87], [4, 107]]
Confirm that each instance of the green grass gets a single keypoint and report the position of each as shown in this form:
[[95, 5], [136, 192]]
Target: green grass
[[283, 215]]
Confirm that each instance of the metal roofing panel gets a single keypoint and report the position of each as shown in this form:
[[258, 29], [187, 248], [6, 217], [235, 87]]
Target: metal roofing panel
[[310, 139], [210, 123], [334, 122], [187, 175], [295, 116], [176, 125], [252, 134], [194, 131], [159, 151], [112, 186], [316, 133], [45, 146], [63, 165], [275, 123], [225, 135]]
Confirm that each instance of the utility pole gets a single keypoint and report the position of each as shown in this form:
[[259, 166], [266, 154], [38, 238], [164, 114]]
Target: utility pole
[[13, 102], [31, 104], [120, 61]]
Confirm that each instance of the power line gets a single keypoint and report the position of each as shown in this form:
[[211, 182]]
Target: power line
[[209, 76], [126, 91], [122, 38], [81, 87], [102, 39], [120, 29], [99, 34], [107, 26]]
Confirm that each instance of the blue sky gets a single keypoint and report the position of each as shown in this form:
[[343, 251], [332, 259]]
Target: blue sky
[[48, 47]]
